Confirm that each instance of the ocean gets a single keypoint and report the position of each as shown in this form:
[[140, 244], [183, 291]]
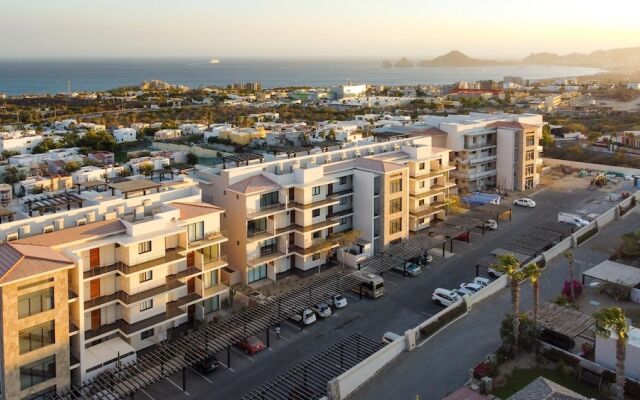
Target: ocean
[[40, 76]]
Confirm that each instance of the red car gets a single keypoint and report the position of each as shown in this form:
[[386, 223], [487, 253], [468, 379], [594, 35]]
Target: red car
[[251, 345], [464, 236]]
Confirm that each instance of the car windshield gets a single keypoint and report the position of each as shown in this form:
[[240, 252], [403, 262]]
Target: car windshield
[[339, 298]]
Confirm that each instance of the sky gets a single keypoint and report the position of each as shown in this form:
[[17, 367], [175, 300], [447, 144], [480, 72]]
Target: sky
[[501, 29]]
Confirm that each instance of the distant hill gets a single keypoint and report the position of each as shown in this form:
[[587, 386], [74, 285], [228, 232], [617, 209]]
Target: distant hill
[[458, 59], [404, 63], [629, 57]]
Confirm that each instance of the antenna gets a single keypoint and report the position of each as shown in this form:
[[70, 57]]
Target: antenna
[[69, 88]]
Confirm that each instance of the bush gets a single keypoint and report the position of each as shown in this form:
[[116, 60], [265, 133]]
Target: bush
[[566, 290], [528, 334]]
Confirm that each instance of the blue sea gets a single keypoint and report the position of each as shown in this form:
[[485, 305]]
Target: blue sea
[[37, 76]]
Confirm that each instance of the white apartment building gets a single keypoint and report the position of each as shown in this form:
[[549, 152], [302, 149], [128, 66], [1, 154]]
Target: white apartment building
[[20, 141], [492, 150], [343, 91], [192, 129], [124, 135], [282, 215], [113, 272]]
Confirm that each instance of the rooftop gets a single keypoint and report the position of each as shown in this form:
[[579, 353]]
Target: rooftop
[[20, 261]]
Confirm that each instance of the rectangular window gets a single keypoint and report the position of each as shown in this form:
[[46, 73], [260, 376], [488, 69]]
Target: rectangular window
[[256, 226], [529, 169], [37, 336], [211, 279], [420, 202], [420, 184], [343, 200], [269, 199], [530, 140], [421, 166], [35, 302], [343, 180], [37, 372], [530, 155], [144, 247], [257, 273], [315, 213], [315, 191], [146, 305], [146, 334], [268, 246], [211, 304], [395, 226], [315, 256], [396, 185], [46, 394], [195, 231], [211, 253], [343, 221], [317, 234], [395, 205], [146, 276]]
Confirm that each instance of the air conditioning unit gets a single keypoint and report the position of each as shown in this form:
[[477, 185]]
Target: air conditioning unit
[[47, 229], [81, 221], [12, 236]]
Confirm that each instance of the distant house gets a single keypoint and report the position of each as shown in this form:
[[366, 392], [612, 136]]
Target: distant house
[[544, 389], [192, 129], [164, 134], [102, 157], [20, 141], [123, 135]]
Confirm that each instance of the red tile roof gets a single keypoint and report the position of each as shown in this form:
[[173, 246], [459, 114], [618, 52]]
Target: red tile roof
[[511, 125], [254, 184], [67, 236], [377, 165], [196, 209], [20, 261]]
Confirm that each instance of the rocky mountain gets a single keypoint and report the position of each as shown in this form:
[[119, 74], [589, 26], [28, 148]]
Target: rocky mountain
[[457, 59], [404, 63], [628, 57]]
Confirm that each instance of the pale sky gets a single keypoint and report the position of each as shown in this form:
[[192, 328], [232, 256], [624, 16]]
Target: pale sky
[[313, 28]]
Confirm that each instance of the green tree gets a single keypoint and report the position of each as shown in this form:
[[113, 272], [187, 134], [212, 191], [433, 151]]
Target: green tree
[[547, 137], [71, 166], [533, 272], [100, 140], [44, 146], [12, 175], [192, 158], [569, 256], [146, 168], [6, 154], [508, 264], [611, 321]]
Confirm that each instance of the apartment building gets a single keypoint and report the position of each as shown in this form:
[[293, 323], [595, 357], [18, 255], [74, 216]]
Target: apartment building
[[284, 215], [103, 276], [492, 150]]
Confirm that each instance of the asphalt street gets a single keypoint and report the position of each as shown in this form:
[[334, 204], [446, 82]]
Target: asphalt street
[[406, 303]]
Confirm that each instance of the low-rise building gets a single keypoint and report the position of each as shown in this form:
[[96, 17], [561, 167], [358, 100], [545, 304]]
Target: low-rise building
[[164, 134], [21, 141], [124, 135]]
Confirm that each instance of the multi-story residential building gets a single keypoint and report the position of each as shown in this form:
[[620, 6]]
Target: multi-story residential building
[[106, 276], [282, 214], [493, 150], [21, 141]]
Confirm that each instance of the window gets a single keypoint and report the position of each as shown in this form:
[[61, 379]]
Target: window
[[343, 200], [396, 185], [529, 169], [211, 279], [395, 226], [257, 273], [343, 180], [317, 234], [315, 256], [395, 205], [146, 334], [144, 247], [211, 253], [256, 226], [38, 371], [146, 276], [421, 185], [530, 141], [315, 191], [343, 221], [35, 302], [421, 166], [268, 199], [420, 203], [315, 213], [46, 394], [211, 304], [146, 305], [530, 155], [36, 337], [268, 246], [195, 231]]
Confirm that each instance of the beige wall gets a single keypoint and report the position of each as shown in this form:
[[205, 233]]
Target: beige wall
[[386, 198]]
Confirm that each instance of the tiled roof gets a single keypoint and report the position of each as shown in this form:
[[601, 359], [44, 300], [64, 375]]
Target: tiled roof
[[544, 389], [20, 261], [377, 165], [134, 185], [80, 233], [196, 209], [511, 125], [254, 184]]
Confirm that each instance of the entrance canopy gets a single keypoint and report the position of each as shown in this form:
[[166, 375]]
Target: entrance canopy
[[614, 272]]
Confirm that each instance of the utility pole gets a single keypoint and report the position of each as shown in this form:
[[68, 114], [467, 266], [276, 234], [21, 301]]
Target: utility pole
[[69, 89]]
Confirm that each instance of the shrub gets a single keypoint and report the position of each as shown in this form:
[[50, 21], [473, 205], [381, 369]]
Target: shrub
[[577, 289], [528, 334]]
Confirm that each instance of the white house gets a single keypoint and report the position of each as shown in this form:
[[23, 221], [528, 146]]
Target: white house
[[606, 353], [342, 91], [123, 135], [20, 141], [91, 173], [168, 134], [158, 162], [192, 129], [634, 86]]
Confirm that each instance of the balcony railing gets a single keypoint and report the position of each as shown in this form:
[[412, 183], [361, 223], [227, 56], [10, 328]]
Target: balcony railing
[[173, 311], [170, 256], [482, 145], [434, 171], [427, 210], [215, 264], [314, 227], [253, 213], [209, 239], [128, 299], [328, 201]]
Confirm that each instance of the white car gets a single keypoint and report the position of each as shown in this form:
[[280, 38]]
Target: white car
[[445, 297], [525, 202], [323, 310], [338, 301], [490, 224], [307, 317], [484, 282], [471, 287], [494, 273]]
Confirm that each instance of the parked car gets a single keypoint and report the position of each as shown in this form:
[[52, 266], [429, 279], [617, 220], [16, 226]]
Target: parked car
[[251, 345], [572, 219], [471, 287], [494, 273], [464, 236], [445, 297], [427, 259], [307, 317], [208, 364], [389, 337], [484, 282], [412, 269], [323, 310], [338, 301], [490, 224], [525, 202]]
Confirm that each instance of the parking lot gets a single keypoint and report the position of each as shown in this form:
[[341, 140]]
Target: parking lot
[[407, 301]]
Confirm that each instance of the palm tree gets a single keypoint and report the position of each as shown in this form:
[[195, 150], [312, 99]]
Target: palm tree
[[508, 264], [569, 256], [612, 321], [533, 272]]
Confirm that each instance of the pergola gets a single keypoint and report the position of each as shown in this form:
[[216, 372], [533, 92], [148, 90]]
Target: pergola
[[162, 173], [99, 185], [290, 151], [450, 232], [241, 158], [53, 202], [496, 209], [614, 272], [309, 379], [326, 145], [563, 320], [134, 186]]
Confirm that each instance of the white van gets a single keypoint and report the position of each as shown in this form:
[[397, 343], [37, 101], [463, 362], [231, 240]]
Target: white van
[[389, 337], [572, 219]]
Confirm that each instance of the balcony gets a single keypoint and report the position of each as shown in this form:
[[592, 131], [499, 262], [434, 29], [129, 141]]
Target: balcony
[[480, 160], [478, 146], [186, 273], [208, 240], [264, 258], [473, 174], [329, 201], [184, 301], [171, 256], [434, 172], [261, 235], [315, 246], [427, 210], [128, 299], [339, 214], [253, 213], [341, 193], [73, 328], [285, 229], [315, 227], [215, 264], [214, 290], [173, 311]]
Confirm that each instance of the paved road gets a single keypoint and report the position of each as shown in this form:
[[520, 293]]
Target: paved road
[[406, 303]]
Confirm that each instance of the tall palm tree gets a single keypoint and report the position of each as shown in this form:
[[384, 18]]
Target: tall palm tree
[[611, 321], [508, 264], [533, 272], [569, 256]]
